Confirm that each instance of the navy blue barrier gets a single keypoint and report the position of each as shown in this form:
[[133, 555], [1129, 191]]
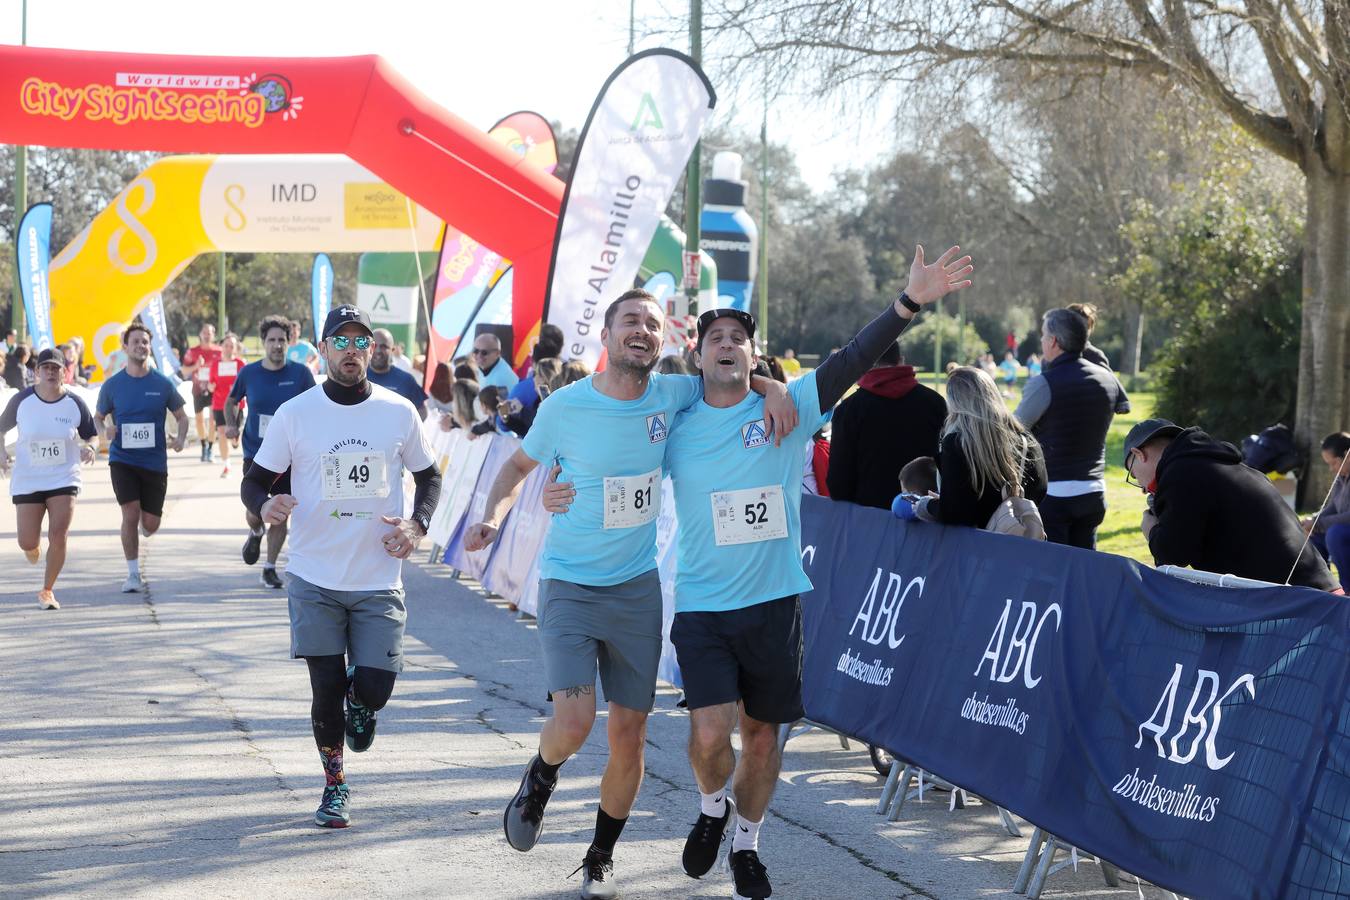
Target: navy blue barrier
[[1193, 735]]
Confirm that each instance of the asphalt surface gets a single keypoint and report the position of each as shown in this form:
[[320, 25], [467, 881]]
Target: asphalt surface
[[160, 746]]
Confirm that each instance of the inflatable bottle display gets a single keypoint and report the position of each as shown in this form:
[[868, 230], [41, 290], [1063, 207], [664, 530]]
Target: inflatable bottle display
[[728, 233]]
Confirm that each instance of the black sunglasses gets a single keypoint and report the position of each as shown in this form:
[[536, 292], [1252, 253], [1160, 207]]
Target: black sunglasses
[[480, 352]]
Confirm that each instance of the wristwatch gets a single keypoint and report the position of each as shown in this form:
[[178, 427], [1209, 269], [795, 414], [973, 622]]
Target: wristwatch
[[909, 304], [423, 520]]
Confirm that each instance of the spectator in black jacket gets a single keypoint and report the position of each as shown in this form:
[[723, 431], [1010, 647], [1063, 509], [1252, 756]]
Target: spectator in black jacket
[[890, 420], [1211, 512], [1069, 408], [983, 450]]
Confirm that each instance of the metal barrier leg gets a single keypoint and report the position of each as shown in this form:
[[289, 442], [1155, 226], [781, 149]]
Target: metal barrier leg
[[435, 555], [1009, 824], [908, 772], [1109, 873], [784, 732], [1029, 861], [888, 790], [1043, 869], [843, 742]]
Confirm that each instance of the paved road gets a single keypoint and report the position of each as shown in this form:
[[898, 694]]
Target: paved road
[[160, 746]]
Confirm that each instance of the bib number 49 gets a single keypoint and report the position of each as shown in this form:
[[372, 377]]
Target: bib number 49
[[359, 474]]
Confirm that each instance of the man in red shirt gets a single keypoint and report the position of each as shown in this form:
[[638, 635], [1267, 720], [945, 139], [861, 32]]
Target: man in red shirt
[[197, 363], [221, 378]]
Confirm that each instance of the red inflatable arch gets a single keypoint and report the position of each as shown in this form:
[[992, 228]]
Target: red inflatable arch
[[354, 105]]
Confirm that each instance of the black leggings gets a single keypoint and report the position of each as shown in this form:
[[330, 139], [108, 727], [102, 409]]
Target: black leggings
[[328, 683]]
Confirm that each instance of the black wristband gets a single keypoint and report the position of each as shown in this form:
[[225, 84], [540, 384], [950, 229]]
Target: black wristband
[[910, 304]]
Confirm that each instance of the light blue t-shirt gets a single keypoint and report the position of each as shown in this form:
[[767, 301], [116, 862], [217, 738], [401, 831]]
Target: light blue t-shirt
[[719, 450], [143, 402], [265, 390], [501, 376], [594, 437], [302, 351]]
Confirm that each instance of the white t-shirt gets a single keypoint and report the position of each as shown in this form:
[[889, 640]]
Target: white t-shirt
[[47, 453], [346, 467]]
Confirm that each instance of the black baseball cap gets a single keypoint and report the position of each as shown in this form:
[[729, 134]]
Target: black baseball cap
[[1146, 431], [343, 315], [706, 319], [50, 355]]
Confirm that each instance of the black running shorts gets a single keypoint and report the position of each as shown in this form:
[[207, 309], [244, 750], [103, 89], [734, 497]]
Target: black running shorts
[[752, 654], [132, 484]]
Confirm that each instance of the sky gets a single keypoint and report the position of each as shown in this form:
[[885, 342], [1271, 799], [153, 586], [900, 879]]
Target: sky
[[480, 59]]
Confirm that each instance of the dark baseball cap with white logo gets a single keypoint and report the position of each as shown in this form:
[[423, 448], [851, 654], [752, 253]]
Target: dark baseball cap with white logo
[[345, 315], [50, 356], [706, 319]]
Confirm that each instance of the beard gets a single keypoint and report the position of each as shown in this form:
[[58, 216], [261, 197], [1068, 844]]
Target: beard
[[343, 378], [629, 367]]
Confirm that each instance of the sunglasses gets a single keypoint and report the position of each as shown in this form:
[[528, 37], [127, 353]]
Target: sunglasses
[[480, 352], [342, 342]]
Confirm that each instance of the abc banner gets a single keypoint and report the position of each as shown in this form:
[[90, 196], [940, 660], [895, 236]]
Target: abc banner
[[34, 254], [320, 292], [1193, 735], [639, 135]]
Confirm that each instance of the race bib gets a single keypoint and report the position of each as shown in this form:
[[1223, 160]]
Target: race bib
[[136, 435], [227, 368], [48, 453], [354, 476], [749, 515], [632, 500], [263, 422], [203, 375]]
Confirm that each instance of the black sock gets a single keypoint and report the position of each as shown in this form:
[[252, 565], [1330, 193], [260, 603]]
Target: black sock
[[547, 772], [607, 831]]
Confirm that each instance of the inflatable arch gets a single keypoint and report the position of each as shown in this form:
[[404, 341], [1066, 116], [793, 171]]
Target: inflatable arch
[[357, 106]]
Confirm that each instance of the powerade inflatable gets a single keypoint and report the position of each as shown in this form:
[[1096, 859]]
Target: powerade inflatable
[[358, 106], [728, 233]]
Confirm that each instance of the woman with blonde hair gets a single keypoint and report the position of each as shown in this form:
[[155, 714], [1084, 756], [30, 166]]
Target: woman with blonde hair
[[982, 450]]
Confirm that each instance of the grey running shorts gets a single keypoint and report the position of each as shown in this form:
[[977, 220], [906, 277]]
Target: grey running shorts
[[616, 629], [366, 625]]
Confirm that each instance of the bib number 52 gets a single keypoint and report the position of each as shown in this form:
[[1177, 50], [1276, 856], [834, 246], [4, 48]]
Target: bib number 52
[[756, 513]]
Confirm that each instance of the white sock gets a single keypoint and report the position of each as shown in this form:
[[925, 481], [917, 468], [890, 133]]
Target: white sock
[[268, 565], [747, 835], [714, 805], [134, 569]]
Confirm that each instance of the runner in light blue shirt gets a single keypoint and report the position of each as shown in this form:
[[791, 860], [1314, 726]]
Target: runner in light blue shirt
[[737, 629], [600, 595]]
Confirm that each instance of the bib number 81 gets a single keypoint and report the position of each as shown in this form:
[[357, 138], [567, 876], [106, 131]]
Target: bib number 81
[[642, 497]]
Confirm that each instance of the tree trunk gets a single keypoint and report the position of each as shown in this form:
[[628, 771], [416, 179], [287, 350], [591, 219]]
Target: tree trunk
[[1323, 403], [1134, 338]]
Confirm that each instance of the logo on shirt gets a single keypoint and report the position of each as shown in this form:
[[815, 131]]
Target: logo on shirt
[[356, 516], [754, 434], [656, 428]]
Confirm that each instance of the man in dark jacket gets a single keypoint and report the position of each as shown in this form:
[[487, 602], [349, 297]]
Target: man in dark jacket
[[1211, 512], [1069, 408], [890, 420]]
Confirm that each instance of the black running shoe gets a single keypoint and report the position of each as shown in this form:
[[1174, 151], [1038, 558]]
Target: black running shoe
[[524, 819], [704, 844], [360, 720], [271, 579], [597, 882], [251, 547], [752, 879]]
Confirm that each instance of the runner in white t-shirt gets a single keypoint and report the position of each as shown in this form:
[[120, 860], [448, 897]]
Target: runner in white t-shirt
[[346, 444], [56, 434]]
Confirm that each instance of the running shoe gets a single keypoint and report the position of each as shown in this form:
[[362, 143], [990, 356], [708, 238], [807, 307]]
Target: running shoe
[[524, 819], [360, 720], [47, 600], [271, 579], [252, 546], [752, 879], [133, 585], [704, 844], [33, 555], [597, 880], [335, 809], [203, 453], [225, 472]]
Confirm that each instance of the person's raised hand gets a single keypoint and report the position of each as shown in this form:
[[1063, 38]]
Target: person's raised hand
[[929, 283]]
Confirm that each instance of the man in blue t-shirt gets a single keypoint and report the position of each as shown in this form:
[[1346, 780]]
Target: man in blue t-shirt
[[300, 350], [138, 399], [384, 373], [737, 629], [599, 592], [265, 385]]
